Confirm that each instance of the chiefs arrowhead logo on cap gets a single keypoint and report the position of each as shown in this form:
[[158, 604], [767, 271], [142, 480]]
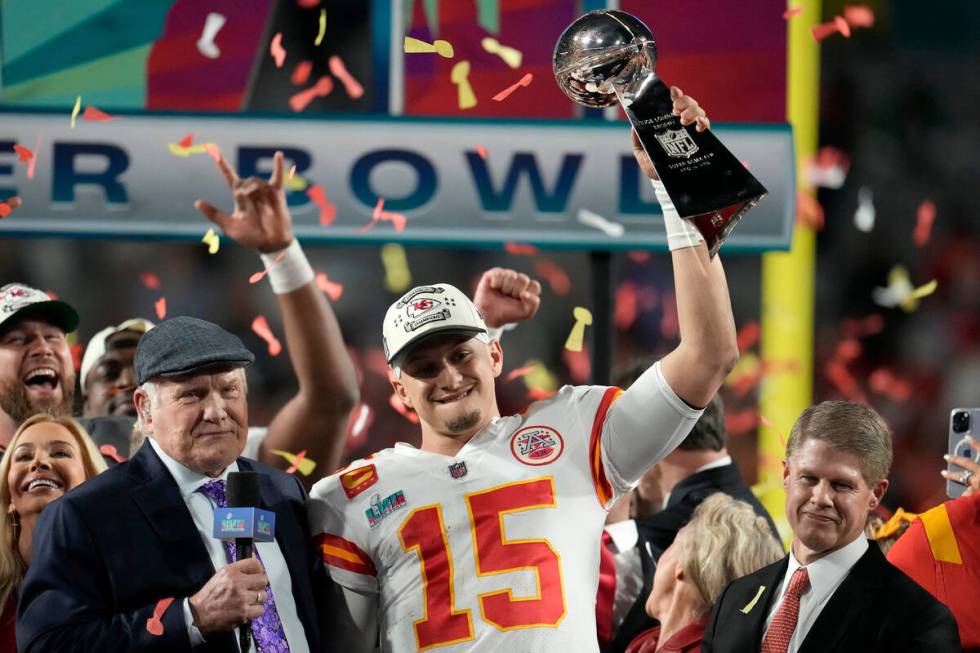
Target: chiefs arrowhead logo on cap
[[357, 480]]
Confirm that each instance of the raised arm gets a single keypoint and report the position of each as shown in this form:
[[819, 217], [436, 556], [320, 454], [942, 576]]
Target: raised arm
[[315, 419]]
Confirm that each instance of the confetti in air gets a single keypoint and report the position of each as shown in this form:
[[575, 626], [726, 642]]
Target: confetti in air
[[398, 278], [154, 625], [322, 30], [460, 77], [301, 100], [332, 289], [925, 215], [150, 280], [590, 219], [864, 216], [160, 306], [257, 276], [109, 451], [859, 15], [212, 241], [92, 114], [504, 94], [261, 328], [75, 110], [297, 461], [521, 249], [328, 212], [23, 154], [511, 56], [301, 73], [440, 47], [556, 277], [791, 12], [212, 25], [482, 151], [351, 85], [900, 291], [276, 50], [576, 338]]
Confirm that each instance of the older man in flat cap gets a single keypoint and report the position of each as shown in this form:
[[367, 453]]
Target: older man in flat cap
[[109, 552]]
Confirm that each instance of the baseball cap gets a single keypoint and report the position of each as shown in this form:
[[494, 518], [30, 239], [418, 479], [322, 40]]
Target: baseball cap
[[427, 310], [20, 301], [186, 345], [96, 346]]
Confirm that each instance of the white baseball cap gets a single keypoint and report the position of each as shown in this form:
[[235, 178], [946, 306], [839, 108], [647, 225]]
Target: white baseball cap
[[96, 346], [427, 310], [17, 299]]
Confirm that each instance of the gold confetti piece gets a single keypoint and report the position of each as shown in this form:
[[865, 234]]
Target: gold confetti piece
[[900, 291], [179, 150], [212, 241], [460, 77], [299, 461], [583, 318], [511, 56], [295, 183], [751, 604], [539, 377], [440, 47], [74, 112], [323, 27], [398, 278]]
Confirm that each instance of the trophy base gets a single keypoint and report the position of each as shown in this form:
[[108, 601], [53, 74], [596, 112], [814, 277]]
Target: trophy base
[[706, 182]]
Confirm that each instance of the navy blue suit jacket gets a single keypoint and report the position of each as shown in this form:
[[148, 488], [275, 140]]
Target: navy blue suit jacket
[[105, 554]]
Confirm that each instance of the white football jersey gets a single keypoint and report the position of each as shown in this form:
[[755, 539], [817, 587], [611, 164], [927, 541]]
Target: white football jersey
[[495, 549]]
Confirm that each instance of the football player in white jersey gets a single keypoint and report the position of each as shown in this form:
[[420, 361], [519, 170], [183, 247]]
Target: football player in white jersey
[[487, 537]]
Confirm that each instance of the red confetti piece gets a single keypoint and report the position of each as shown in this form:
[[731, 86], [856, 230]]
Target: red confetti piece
[[848, 350], [504, 94], [257, 276], [792, 11], [358, 424], [150, 280], [23, 153], [519, 372], [638, 256], [842, 26], [339, 70], [307, 4], [748, 336], [186, 141], [859, 15], [397, 219], [402, 409], [299, 458], [578, 363], [6, 209], [845, 383], [741, 384], [925, 215], [554, 275], [824, 30], [375, 216], [519, 249], [741, 422], [110, 451], [261, 328], [809, 212], [885, 383], [482, 151], [328, 212], [626, 305], [33, 162], [276, 50], [301, 73], [95, 115], [868, 326], [161, 308], [301, 100], [154, 625], [331, 289]]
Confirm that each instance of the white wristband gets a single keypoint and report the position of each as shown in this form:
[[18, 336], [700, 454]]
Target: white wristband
[[496, 333], [680, 232], [288, 268]]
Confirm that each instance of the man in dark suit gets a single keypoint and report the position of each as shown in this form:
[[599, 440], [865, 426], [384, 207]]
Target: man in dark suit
[[696, 469], [833, 592], [107, 557]]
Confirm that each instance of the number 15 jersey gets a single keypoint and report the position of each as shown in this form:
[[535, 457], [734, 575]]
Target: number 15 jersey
[[497, 548]]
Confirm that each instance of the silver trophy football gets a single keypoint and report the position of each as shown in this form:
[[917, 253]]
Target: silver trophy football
[[609, 56]]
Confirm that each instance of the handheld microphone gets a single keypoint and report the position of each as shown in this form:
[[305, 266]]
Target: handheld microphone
[[244, 523]]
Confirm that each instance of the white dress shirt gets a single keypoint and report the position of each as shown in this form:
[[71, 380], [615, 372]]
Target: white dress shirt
[[826, 575], [202, 510], [629, 568]]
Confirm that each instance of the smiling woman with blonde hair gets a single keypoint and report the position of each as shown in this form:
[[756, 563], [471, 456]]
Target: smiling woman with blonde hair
[[47, 457]]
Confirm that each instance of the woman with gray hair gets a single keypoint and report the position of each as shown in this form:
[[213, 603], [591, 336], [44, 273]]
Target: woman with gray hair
[[723, 541]]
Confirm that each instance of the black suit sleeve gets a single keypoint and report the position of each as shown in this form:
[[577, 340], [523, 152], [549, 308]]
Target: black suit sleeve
[[932, 629], [707, 641], [64, 604]]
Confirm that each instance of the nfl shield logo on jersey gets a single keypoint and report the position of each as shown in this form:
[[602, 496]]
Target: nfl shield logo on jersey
[[677, 143], [537, 445], [458, 470]]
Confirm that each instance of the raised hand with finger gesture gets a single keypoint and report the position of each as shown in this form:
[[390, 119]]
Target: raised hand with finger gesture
[[261, 218]]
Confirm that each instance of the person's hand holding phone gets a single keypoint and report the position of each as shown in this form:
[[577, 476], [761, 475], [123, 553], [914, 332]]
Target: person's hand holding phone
[[963, 470]]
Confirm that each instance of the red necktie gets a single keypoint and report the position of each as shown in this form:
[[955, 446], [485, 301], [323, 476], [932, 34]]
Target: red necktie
[[607, 591], [784, 623]]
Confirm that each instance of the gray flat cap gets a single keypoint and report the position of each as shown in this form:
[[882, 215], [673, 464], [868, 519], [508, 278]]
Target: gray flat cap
[[186, 345]]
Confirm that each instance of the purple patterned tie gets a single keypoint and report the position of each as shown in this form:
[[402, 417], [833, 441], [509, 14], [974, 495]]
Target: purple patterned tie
[[267, 629]]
